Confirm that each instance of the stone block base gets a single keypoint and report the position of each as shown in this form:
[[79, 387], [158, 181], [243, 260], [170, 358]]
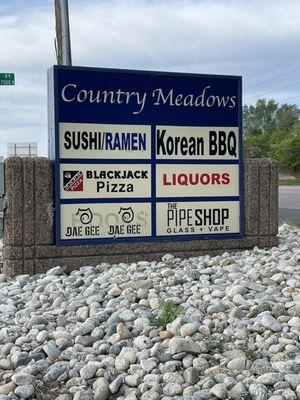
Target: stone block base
[[29, 246]]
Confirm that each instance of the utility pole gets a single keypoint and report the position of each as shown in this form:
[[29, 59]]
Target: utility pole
[[62, 27]]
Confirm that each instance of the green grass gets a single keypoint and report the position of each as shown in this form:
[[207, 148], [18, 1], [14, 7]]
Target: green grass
[[169, 311], [290, 182], [250, 353], [217, 346]]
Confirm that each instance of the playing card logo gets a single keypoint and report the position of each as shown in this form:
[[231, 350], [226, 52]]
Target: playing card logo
[[73, 181]]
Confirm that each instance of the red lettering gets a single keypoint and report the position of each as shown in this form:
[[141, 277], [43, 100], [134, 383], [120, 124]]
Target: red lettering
[[184, 179], [193, 179], [215, 178], [225, 178], [204, 179], [165, 181]]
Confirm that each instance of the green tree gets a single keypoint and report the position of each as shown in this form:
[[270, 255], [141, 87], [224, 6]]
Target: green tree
[[261, 118], [267, 117], [287, 152], [272, 131], [296, 128], [257, 145], [286, 117]]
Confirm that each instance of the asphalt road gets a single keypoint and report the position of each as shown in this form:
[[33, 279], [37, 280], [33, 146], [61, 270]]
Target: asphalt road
[[289, 204]]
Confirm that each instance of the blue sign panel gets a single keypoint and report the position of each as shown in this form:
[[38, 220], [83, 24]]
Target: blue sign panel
[[145, 156]]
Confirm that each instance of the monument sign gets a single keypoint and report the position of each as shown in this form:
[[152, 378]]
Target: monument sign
[[145, 156]]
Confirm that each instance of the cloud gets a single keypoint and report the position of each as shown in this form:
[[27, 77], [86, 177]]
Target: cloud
[[219, 37], [182, 33]]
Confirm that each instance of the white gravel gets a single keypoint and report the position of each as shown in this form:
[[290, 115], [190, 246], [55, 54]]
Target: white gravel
[[96, 333]]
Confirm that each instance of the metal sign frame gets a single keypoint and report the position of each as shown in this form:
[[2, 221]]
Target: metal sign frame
[[56, 116]]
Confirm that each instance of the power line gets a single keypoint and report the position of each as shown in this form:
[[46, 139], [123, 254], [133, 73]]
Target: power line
[[290, 98], [274, 67], [272, 79], [270, 91]]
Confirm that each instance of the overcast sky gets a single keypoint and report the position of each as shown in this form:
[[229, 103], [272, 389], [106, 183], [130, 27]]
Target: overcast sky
[[257, 39]]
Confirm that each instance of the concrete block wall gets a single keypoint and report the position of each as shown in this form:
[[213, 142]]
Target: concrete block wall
[[29, 222]]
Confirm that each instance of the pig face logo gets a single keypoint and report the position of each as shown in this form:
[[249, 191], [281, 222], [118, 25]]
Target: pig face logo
[[127, 214], [85, 215]]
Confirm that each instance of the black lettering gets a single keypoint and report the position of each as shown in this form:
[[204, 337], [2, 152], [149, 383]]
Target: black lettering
[[225, 214], [198, 220], [160, 141], [84, 141], [231, 144], [100, 186], [213, 147], [93, 141], [222, 143], [179, 145], [68, 142]]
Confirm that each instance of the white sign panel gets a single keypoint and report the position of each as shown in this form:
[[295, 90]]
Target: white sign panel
[[104, 141], [105, 221], [189, 180], [196, 143], [105, 181], [198, 218]]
